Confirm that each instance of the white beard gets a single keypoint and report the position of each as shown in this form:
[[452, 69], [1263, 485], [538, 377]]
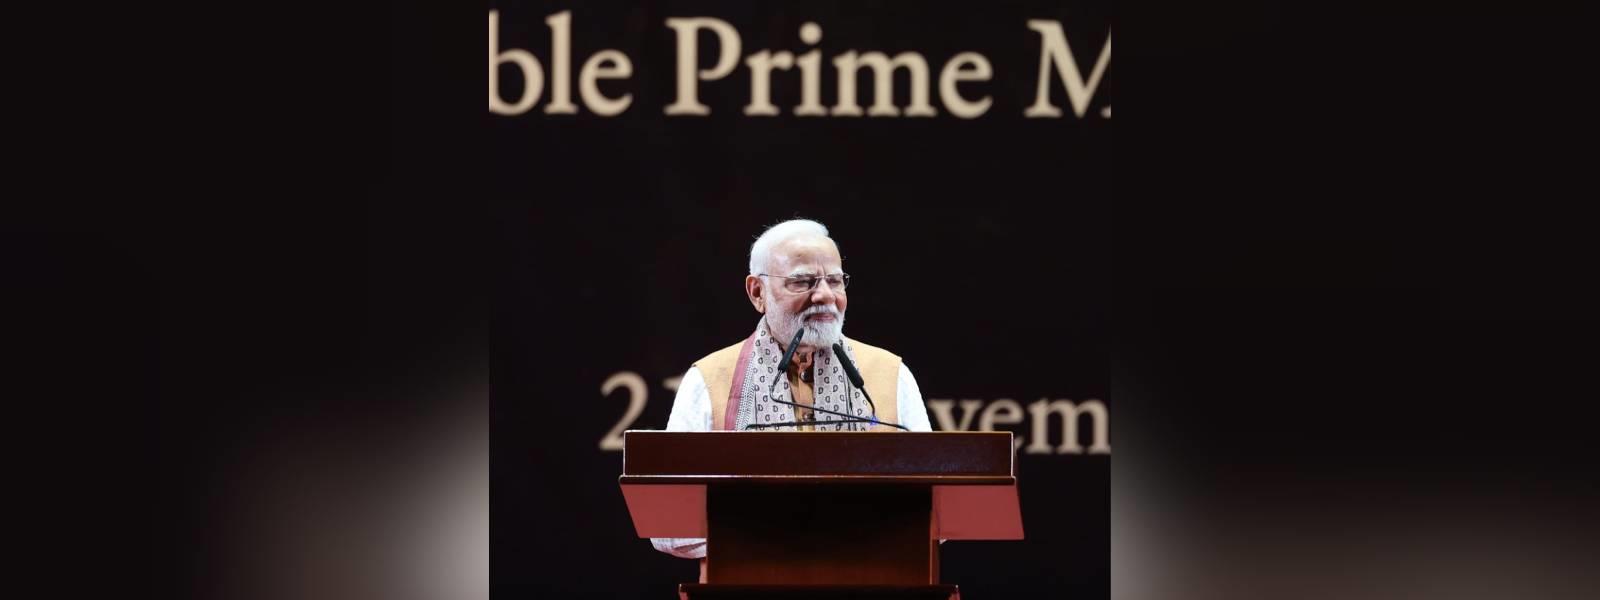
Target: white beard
[[821, 334]]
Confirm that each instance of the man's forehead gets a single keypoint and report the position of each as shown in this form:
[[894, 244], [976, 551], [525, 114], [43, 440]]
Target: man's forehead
[[806, 253]]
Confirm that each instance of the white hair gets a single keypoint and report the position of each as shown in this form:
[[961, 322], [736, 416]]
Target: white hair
[[761, 251]]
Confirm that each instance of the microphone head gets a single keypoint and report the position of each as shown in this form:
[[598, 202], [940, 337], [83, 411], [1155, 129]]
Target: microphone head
[[849, 369]]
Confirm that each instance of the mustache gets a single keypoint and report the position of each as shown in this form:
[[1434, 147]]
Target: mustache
[[820, 309]]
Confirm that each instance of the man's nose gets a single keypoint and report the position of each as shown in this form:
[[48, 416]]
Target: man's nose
[[823, 293]]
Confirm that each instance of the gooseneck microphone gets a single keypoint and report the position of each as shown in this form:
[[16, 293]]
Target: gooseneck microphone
[[783, 365], [855, 376]]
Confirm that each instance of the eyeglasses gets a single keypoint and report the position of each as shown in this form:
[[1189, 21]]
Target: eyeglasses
[[804, 283]]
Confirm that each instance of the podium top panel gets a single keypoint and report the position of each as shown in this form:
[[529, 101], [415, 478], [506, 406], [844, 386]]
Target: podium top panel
[[946, 457]]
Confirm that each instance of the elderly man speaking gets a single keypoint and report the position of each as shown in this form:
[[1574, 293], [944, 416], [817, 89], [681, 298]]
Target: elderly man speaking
[[796, 371]]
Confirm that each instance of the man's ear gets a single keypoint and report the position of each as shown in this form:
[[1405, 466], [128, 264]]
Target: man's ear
[[753, 290]]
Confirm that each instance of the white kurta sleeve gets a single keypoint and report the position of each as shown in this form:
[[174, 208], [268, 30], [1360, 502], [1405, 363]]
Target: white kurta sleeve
[[908, 399]]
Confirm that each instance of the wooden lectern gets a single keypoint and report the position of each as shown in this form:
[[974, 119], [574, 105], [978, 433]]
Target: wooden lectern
[[821, 514]]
